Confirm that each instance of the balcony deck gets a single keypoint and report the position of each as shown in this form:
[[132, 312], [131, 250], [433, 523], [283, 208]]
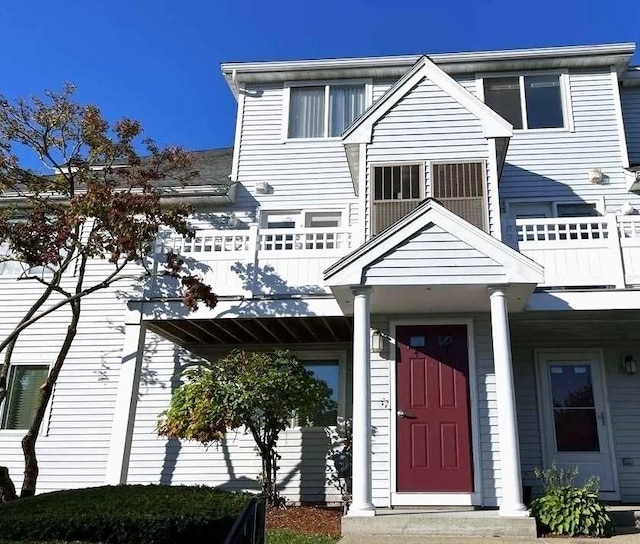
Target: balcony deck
[[577, 252], [581, 251]]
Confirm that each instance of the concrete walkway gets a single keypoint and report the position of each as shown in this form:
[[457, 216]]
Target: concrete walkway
[[630, 536]]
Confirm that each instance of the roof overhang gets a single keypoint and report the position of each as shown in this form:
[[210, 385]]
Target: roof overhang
[[391, 67]]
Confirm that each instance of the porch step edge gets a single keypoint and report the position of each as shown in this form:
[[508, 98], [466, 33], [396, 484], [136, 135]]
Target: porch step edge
[[625, 518], [435, 524]]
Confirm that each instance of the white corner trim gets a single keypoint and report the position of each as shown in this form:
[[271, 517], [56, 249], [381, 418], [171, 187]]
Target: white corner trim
[[236, 144], [617, 105], [493, 192]]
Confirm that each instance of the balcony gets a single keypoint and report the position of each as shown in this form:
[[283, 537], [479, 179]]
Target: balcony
[[581, 251], [257, 261]]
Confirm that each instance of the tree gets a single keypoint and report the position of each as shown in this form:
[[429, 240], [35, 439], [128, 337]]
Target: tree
[[256, 390], [97, 199]]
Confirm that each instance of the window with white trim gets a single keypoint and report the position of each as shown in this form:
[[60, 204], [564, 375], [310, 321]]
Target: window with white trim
[[530, 101], [327, 371], [323, 111], [23, 391], [397, 190], [9, 266], [460, 187]]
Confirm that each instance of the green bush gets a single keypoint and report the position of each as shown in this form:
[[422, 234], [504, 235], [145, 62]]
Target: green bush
[[566, 509], [124, 514]]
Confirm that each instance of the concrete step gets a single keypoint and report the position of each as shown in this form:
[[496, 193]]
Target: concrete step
[[480, 523], [625, 516]]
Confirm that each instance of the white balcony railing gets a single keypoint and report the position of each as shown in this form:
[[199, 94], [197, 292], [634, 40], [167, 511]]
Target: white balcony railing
[[581, 251], [266, 261]]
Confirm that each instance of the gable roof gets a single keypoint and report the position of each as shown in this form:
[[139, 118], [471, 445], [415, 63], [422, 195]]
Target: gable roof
[[361, 130], [353, 269]]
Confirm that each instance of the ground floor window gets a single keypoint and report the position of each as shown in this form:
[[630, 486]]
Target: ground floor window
[[22, 395]]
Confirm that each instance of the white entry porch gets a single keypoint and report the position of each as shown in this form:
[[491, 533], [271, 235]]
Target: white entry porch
[[432, 261]]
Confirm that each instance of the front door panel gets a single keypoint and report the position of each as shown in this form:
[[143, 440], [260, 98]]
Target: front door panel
[[574, 416], [433, 426]]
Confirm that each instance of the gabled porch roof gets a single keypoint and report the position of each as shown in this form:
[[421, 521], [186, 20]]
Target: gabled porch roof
[[414, 264]]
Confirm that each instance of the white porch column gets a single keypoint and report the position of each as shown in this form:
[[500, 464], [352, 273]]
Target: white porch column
[[507, 423], [126, 399], [361, 504]]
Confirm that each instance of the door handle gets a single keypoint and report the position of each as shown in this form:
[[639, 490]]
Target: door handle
[[402, 413]]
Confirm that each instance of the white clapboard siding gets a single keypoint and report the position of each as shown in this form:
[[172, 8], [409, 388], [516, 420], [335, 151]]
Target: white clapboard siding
[[234, 464], [381, 406], [437, 257], [74, 442], [630, 98], [554, 164], [303, 174], [427, 125]]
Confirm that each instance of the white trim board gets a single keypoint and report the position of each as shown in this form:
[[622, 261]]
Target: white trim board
[[442, 499]]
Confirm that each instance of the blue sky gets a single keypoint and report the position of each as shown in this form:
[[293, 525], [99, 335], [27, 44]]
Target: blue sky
[[158, 61]]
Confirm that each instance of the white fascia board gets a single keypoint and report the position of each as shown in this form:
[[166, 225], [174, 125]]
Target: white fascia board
[[349, 270], [493, 125], [609, 299]]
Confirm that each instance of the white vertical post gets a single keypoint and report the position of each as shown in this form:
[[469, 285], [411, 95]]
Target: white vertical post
[[361, 504], [126, 400], [511, 504], [616, 264]]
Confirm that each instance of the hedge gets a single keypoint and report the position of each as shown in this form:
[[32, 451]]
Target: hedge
[[124, 514]]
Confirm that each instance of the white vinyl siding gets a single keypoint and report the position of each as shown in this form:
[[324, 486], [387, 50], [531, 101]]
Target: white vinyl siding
[[427, 125], [630, 99], [303, 174], [554, 165], [233, 464], [76, 433]]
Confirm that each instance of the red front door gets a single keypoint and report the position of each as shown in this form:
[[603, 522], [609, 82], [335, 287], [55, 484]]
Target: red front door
[[434, 444]]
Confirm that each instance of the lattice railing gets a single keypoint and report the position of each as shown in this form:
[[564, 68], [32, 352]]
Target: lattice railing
[[303, 239]]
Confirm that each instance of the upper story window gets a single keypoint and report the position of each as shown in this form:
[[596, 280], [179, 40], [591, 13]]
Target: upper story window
[[397, 190], [527, 101], [460, 187], [323, 111]]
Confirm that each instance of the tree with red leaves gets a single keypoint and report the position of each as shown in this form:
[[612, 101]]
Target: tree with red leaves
[[98, 200]]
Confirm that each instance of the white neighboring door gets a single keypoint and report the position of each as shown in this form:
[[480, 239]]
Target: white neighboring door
[[574, 415]]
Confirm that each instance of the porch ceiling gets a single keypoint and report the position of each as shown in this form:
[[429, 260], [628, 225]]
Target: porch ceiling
[[255, 331], [575, 328]]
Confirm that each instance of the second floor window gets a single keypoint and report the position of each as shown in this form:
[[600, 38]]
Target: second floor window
[[324, 110], [527, 102]]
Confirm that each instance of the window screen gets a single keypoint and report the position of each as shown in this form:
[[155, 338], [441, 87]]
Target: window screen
[[502, 94]]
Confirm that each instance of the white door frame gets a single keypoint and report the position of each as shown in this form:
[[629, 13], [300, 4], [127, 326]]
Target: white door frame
[[596, 354], [436, 499]]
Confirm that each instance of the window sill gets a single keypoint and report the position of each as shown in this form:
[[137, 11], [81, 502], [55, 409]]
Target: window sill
[[539, 130], [332, 139]]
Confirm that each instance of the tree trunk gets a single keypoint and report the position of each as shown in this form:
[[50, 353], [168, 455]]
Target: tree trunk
[[7, 489], [29, 441]]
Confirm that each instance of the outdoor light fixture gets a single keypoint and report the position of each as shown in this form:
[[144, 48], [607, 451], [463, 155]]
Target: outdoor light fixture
[[629, 364], [377, 342]]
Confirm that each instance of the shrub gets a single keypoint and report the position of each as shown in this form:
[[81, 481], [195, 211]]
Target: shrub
[[566, 509], [124, 514]]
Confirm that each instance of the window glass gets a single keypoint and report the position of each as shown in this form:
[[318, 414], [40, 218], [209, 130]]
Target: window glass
[[306, 112], [280, 220], [322, 219], [502, 94], [329, 373], [346, 103], [9, 267], [544, 101], [582, 209], [22, 395]]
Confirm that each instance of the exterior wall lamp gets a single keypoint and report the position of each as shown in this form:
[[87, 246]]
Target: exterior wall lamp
[[629, 365], [377, 342]]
